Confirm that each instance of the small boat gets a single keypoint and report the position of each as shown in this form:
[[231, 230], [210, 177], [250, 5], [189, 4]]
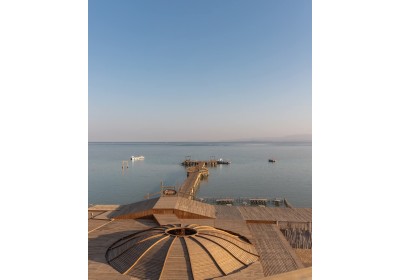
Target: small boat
[[222, 161], [137, 158], [271, 160]]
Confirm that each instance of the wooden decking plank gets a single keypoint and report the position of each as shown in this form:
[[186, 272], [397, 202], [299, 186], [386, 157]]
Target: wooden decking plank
[[165, 219], [227, 212], [94, 224], [275, 256], [300, 274], [305, 255], [256, 213], [236, 226], [275, 214]]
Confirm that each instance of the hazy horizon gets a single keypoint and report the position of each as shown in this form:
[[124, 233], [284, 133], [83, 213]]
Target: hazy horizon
[[287, 138], [199, 71]]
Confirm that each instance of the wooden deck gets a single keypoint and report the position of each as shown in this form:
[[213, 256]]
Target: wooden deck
[[300, 274], [276, 214], [96, 224], [276, 256], [185, 208], [227, 212], [260, 225], [305, 256]]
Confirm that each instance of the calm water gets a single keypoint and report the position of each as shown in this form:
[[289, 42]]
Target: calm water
[[249, 175]]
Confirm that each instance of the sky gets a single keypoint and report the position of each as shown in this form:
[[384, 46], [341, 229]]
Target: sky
[[199, 70]]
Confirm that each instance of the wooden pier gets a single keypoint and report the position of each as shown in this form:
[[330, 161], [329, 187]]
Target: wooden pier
[[188, 162], [195, 173]]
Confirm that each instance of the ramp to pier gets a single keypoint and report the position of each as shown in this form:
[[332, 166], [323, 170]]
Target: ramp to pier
[[276, 255]]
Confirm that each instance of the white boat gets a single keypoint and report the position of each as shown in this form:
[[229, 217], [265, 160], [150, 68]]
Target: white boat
[[137, 158], [222, 161]]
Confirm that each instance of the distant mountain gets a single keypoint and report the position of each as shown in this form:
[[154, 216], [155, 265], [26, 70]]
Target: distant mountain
[[299, 137], [288, 138]]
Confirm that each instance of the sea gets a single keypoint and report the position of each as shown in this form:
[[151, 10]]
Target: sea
[[249, 175]]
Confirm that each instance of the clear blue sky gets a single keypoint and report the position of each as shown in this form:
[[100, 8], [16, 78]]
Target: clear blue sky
[[199, 70]]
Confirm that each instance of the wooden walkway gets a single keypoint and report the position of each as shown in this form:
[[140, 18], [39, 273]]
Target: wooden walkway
[[195, 175], [276, 256]]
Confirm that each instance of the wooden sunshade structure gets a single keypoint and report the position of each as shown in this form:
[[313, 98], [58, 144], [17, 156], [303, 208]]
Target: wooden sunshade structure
[[176, 252]]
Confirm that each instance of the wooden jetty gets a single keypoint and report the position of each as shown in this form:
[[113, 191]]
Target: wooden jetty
[[189, 162], [195, 173]]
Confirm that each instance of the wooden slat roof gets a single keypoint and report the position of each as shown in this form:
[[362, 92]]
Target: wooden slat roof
[[135, 210], [205, 253], [165, 219]]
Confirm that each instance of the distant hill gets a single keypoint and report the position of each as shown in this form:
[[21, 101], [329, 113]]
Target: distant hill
[[300, 137], [288, 138]]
